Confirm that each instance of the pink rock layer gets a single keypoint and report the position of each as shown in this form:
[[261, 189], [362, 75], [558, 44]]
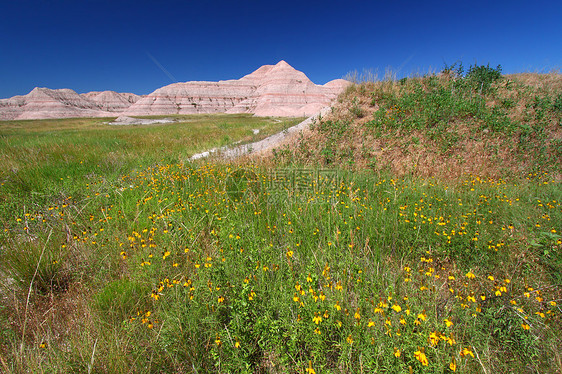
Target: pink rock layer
[[43, 103], [271, 90]]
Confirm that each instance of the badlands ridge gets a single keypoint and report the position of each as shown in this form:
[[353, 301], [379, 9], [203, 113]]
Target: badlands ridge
[[271, 90]]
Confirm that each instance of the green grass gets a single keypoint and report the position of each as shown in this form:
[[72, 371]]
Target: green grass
[[140, 261], [47, 157], [186, 280]]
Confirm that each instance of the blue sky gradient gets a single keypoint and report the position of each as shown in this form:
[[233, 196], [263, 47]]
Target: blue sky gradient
[[139, 46]]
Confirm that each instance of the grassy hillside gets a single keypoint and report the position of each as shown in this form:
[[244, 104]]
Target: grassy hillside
[[360, 248], [445, 125]]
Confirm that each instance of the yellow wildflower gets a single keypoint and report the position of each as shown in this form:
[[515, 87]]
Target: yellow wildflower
[[309, 369], [421, 357], [317, 318], [434, 338], [466, 352]]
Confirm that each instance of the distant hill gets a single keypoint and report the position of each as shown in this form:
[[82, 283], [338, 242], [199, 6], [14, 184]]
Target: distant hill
[[271, 90], [64, 103]]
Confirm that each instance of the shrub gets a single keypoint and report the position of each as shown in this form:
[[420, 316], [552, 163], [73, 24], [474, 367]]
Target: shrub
[[482, 76]]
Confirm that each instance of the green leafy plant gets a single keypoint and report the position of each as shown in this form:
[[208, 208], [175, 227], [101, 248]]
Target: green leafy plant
[[482, 77]]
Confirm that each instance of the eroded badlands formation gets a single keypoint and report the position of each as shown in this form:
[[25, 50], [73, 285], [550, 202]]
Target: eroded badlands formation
[[271, 90], [64, 103]]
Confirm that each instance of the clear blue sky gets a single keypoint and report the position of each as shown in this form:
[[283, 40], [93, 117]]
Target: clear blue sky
[[94, 45]]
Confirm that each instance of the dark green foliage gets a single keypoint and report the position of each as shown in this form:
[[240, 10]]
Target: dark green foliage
[[478, 77], [481, 77]]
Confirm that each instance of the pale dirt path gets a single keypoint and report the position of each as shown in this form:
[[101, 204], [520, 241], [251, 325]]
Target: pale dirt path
[[263, 145]]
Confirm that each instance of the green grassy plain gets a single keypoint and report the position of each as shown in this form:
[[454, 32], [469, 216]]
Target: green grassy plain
[[120, 256], [44, 157]]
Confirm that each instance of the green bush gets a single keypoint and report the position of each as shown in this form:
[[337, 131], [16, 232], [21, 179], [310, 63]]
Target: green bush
[[482, 76]]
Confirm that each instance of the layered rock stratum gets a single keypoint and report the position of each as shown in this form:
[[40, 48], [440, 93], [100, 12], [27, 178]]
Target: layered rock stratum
[[271, 90], [112, 101], [42, 103]]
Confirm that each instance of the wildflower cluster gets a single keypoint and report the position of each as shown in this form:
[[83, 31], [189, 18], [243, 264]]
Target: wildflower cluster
[[397, 275]]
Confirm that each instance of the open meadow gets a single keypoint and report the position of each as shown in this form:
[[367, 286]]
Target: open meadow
[[119, 255]]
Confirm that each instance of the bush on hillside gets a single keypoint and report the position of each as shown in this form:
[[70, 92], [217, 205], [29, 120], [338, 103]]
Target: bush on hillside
[[482, 76]]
